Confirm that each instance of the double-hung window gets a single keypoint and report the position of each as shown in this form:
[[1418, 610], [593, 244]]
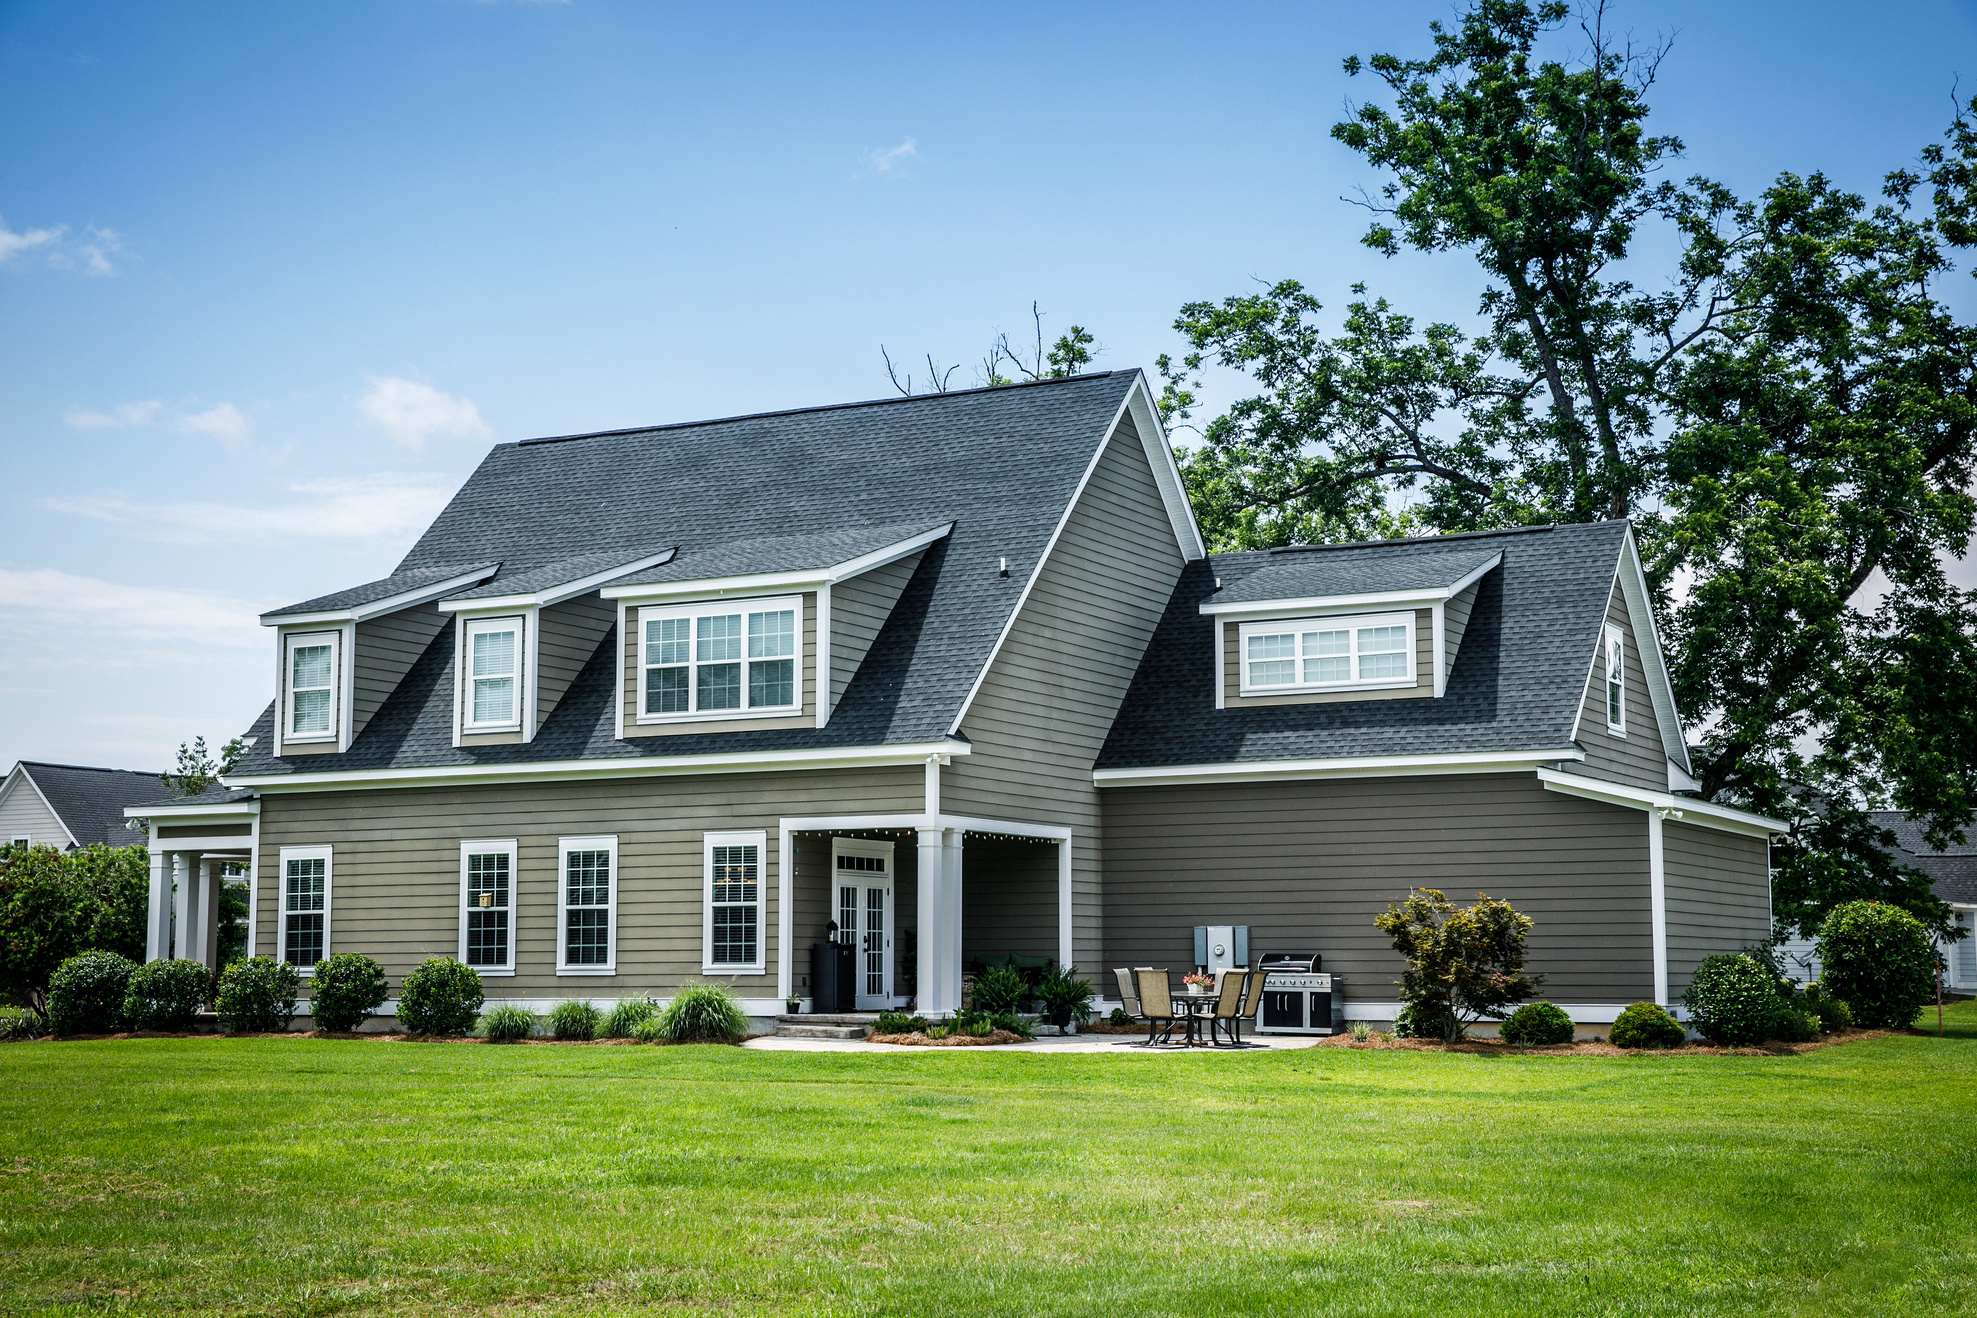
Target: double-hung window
[[491, 698], [720, 660], [305, 905], [732, 932], [587, 938], [311, 674], [1616, 681], [487, 905], [1321, 654]]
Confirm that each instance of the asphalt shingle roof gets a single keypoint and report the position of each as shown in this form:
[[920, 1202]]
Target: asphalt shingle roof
[[548, 576], [779, 553], [1309, 574], [1953, 869], [400, 582], [1518, 679], [91, 801], [1002, 464]]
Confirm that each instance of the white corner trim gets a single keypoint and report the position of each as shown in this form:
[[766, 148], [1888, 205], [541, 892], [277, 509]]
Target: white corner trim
[[542, 599], [378, 608], [1166, 471], [618, 700], [1658, 904], [821, 656], [802, 579], [625, 767], [1683, 809], [1362, 766], [20, 774]]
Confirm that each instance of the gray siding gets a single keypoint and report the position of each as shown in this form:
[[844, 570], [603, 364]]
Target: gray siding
[[387, 648], [806, 662], [395, 872], [1308, 865], [1638, 758], [1424, 672], [1717, 895], [859, 608], [25, 814], [570, 634], [1455, 622], [1049, 698]]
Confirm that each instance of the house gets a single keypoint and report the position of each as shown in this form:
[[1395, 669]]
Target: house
[[71, 805], [948, 678]]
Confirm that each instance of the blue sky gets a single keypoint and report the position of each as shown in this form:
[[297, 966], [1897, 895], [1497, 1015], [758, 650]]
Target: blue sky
[[275, 276]]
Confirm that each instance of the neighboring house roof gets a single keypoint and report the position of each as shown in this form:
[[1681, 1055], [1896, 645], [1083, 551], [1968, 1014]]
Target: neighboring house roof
[[760, 493], [1954, 869], [90, 801], [1517, 684]]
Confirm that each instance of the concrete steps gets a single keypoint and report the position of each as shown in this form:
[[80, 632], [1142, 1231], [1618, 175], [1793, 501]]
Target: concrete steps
[[827, 1025]]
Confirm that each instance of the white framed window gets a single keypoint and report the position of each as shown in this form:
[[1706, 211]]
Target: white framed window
[[491, 681], [587, 906], [720, 659], [312, 674], [487, 905], [20, 840], [731, 932], [1363, 651], [305, 906], [1616, 681]]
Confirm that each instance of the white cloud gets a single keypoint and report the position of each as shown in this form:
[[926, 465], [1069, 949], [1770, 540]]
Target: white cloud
[[120, 417], [12, 244], [225, 422], [96, 253], [410, 413], [148, 613], [381, 506], [891, 159]]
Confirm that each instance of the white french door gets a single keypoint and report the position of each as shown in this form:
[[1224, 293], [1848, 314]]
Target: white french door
[[861, 872]]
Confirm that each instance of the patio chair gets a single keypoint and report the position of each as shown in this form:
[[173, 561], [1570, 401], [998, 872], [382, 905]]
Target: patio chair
[[1252, 995], [1231, 993], [1156, 1005], [1129, 996]]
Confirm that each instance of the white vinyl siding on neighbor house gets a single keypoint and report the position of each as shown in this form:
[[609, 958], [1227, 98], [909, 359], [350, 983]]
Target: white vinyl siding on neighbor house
[[587, 906], [304, 917], [1615, 649], [731, 931], [724, 659], [1366, 651], [491, 699], [312, 675], [487, 905]]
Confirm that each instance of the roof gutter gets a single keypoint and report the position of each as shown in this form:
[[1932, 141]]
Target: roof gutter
[[1358, 766], [1684, 809]]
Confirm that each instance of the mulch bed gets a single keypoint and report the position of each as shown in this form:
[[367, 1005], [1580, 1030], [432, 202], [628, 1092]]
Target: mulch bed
[[1497, 1048], [919, 1040]]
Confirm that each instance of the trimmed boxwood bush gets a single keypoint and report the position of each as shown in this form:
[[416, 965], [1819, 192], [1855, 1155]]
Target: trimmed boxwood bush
[[166, 995], [1878, 959], [1537, 1023], [507, 1023], [86, 994], [623, 1020], [1733, 999], [442, 996], [256, 995], [1646, 1025], [345, 989], [702, 1013], [572, 1019]]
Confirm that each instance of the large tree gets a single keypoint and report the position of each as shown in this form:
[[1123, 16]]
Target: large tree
[[1787, 412]]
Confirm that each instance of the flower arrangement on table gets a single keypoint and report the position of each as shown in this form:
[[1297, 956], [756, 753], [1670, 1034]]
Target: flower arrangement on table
[[1198, 980]]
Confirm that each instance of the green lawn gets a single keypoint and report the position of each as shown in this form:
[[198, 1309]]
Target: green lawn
[[307, 1177]]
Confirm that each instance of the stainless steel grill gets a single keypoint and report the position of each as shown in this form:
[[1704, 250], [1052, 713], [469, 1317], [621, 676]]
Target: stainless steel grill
[[1298, 997]]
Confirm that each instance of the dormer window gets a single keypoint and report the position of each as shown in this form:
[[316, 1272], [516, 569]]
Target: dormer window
[[1287, 656], [492, 700], [311, 669], [719, 660]]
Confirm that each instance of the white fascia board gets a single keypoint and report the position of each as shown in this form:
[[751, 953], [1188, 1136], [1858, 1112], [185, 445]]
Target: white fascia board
[[20, 774], [1683, 809], [1166, 470], [234, 813], [858, 567], [378, 608], [1362, 766], [542, 599], [552, 770], [1633, 585], [760, 582], [962, 823], [1371, 599]]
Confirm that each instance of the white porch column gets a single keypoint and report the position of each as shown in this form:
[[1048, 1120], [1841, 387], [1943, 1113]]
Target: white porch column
[[950, 925], [1066, 953], [202, 943], [929, 884], [158, 911], [185, 905]]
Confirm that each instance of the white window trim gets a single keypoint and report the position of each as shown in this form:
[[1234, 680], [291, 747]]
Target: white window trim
[[758, 839], [21, 840], [1611, 639], [491, 847], [776, 604], [564, 846], [519, 624], [281, 901], [1326, 622], [289, 642]]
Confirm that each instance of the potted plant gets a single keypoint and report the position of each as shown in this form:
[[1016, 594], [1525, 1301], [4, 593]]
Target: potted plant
[[1198, 981], [795, 1004]]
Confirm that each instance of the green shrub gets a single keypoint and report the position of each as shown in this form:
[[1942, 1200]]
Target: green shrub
[[1063, 996], [898, 1022], [981, 1024], [256, 995], [623, 1020], [86, 994], [1834, 1014], [1119, 1017], [1462, 965], [442, 996], [1796, 1025], [651, 1030], [1733, 999], [507, 1023], [703, 1013], [21, 1023], [346, 988], [1427, 1019], [166, 995], [1646, 1025], [1537, 1023], [574, 1019], [1877, 958], [996, 990]]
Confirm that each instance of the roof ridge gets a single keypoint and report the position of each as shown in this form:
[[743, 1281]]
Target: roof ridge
[[801, 411]]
